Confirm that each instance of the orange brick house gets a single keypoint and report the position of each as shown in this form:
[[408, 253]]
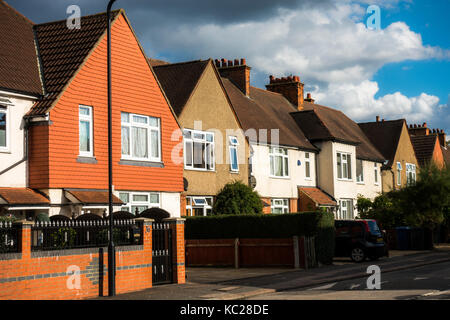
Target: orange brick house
[[428, 144], [68, 155]]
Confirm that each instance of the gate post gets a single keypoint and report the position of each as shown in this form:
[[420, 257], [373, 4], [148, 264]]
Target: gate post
[[178, 249], [147, 242]]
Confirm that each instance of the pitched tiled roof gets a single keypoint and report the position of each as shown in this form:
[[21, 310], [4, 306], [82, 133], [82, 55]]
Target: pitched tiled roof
[[385, 136], [93, 197], [62, 51], [267, 110], [18, 59], [157, 62], [424, 147], [22, 196], [318, 196], [179, 81], [321, 123]]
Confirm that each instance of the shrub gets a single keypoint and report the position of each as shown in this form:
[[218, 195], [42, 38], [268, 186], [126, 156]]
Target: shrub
[[237, 198], [318, 224]]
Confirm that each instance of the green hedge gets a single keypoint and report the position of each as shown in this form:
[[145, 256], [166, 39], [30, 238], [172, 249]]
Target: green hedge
[[318, 224]]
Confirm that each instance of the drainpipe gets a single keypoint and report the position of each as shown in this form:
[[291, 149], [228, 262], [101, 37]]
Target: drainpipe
[[25, 148]]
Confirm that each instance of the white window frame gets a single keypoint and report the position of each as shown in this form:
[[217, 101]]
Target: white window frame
[[150, 128], [377, 174], [131, 203], [275, 152], [307, 165], [234, 143], [360, 178], [347, 162], [410, 169], [282, 204], [191, 205], [204, 140], [399, 174], [4, 108], [345, 214], [86, 118]]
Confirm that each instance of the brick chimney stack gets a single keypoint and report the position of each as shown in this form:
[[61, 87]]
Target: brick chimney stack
[[237, 71], [442, 137], [419, 130], [291, 88]]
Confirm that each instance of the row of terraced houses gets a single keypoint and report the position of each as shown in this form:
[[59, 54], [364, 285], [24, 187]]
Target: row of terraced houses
[[181, 131]]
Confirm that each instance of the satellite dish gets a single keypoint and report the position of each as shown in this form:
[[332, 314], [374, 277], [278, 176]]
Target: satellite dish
[[252, 182], [186, 184]]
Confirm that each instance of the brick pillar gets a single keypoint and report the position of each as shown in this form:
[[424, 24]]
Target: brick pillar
[[25, 235], [147, 234], [178, 249]]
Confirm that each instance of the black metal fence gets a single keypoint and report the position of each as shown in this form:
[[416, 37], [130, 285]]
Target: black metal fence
[[63, 235], [9, 238]]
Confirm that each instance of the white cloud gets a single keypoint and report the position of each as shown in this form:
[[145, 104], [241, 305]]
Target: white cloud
[[331, 53]]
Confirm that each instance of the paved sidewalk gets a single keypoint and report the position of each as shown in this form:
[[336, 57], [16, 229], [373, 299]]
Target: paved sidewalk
[[238, 284]]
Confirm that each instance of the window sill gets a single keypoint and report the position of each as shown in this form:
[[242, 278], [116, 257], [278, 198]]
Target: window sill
[[282, 178], [345, 180], [6, 151], [199, 170], [138, 163], [87, 160], [361, 183], [234, 172]]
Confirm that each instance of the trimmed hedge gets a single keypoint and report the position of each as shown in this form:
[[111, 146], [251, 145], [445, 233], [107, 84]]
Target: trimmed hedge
[[318, 224]]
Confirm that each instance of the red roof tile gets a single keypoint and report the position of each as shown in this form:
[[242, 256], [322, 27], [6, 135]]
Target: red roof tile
[[318, 196], [22, 196], [424, 148], [94, 197]]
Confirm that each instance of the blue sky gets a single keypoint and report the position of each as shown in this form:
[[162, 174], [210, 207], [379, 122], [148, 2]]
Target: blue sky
[[400, 71]]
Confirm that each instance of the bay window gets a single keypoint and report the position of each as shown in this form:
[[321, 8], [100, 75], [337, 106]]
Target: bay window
[[198, 150], [279, 162], [410, 174], [137, 202], [141, 137], [399, 173], [344, 166], [234, 154], [86, 136], [280, 205], [199, 206]]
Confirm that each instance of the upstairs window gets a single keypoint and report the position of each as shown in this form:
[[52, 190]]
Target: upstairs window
[[360, 171], [198, 150], [399, 174], [307, 165], [141, 136], [410, 174], [86, 131], [234, 165], [279, 162], [4, 128], [344, 166], [376, 173]]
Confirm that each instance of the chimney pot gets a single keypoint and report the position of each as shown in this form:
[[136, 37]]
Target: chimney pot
[[424, 124], [217, 63], [243, 62], [230, 63], [308, 96], [378, 118], [271, 79]]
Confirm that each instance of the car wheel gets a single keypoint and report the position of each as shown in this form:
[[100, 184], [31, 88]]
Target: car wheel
[[358, 254]]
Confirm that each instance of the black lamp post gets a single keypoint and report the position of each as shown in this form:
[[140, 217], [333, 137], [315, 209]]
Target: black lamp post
[[111, 247]]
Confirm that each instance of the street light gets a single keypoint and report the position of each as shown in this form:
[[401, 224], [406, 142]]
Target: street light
[[111, 247]]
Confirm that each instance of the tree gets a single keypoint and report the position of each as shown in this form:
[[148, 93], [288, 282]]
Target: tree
[[237, 198]]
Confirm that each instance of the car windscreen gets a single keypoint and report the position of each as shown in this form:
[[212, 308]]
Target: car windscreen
[[373, 227]]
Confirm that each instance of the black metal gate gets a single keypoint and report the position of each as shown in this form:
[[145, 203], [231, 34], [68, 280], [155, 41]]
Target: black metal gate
[[162, 254]]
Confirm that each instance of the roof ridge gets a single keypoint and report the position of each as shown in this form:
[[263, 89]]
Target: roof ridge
[[17, 12], [88, 16], [178, 63], [381, 122]]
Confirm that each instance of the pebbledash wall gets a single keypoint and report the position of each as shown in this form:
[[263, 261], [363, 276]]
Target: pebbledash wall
[[52, 275]]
